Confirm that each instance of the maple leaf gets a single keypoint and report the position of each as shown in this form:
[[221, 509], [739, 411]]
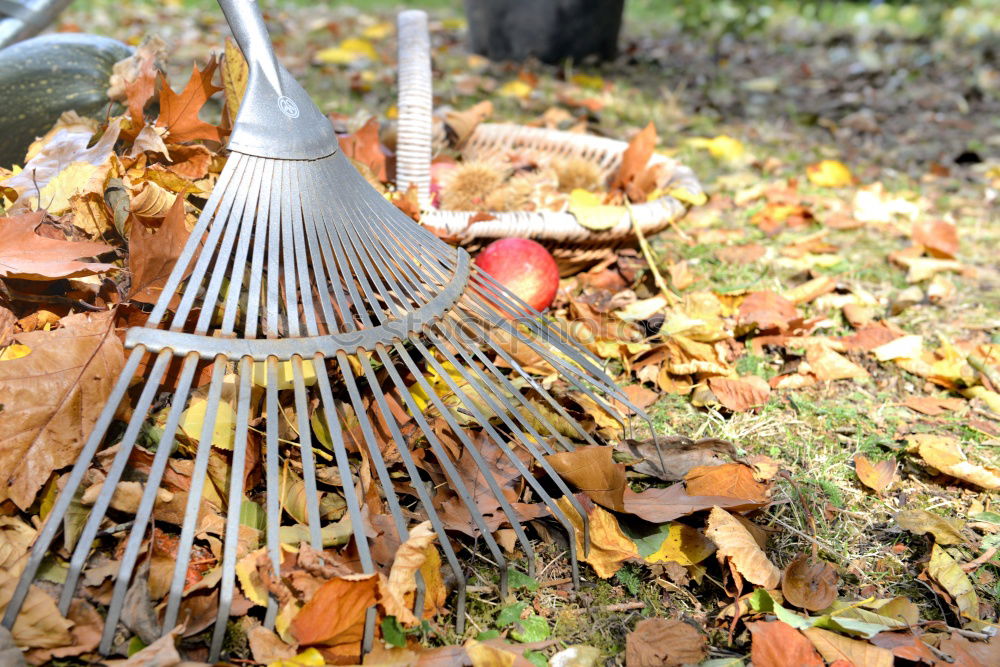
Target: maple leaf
[[24, 254], [51, 399], [364, 147], [179, 112], [152, 257]]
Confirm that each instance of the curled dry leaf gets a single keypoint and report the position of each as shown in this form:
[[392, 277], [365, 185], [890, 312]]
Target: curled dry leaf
[[809, 583], [609, 546], [952, 578], [938, 237], [834, 647], [658, 642], [945, 454], [944, 530], [49, 399], [876, 476], [397, 590], [593, 471], [670, 458], [777, 644], [827, 364], [735, 542], [152, 256], [732, 480]]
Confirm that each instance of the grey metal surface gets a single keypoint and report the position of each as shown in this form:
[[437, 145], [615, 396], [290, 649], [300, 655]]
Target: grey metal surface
[[296, 262], [21, 19]]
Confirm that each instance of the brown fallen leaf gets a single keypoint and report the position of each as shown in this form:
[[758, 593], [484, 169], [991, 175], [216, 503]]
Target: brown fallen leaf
[[609, 546], [735, 542], [945, 454], [640, 396], [335, 614], [460, 124], [179, 112], [767, 310], [659, 642], [28, 256], [777, 644], [85, 634], [827, 364], [663, 505], [945, 531], [364, 147], [52, 398], [931, 406], [876, 476], [810, 290], [732, 480], [971, 654], [945, 571], [677, 453], [267, 647], [635, 158], [593, 471], [905, 646], [152, 256], [809, 583], [834, 647], [740, 395], [396, 591]]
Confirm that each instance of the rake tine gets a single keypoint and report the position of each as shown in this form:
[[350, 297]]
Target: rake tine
[[273, 322], [233, 508], [51, 527], [473, 451], [499, 441], [99, 510], [257, 261], [306, 452], [375, 455], [194, 240], [421, 491], [350, 496], [273, 509], [146, 505], [191, 511], [527, 439], [247, 223], [449, 467], [219, 219]]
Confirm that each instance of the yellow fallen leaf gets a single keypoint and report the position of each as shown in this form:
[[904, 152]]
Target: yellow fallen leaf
[[944, 570], [684, 544], [735, 542], [588, 81], [592, 213], [250, 582], [515, 88], [834, 647], [348, 51], [380, 30], [15, 351], [904, 347], [484, 655], [224, 429], [722, 146], [683, 195], [608, 544], [311, 657], [829, 174], [944, 453], [286, 374]]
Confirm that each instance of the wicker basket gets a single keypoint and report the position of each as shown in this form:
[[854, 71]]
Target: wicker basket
[[574, 246]]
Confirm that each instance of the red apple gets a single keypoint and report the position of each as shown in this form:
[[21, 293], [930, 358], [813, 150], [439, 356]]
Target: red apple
[[524, 267]]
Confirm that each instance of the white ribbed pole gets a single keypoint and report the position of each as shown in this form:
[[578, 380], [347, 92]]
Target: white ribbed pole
[[416, 101]]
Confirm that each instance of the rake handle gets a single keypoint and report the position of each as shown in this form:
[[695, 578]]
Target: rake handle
[[247, 23]]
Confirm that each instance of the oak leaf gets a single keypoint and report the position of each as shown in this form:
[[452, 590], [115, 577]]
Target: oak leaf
[[179, 112], [26, 255], [736, 543], [777, 644], [52, 398]]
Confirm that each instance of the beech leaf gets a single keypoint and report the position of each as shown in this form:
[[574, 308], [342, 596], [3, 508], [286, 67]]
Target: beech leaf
[[26, 255], [876, 476], [945, 454], [608, 544], [834, 647], [658, 642], [335, 614], [944, 530], [777, 644], [809, 583], [662, 505], [593, 471], [736, 543]]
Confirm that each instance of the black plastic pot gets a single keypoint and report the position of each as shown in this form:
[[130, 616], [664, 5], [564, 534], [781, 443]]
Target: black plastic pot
[[550, 30]]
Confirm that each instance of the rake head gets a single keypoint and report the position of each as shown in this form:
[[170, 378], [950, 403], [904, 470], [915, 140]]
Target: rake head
[[302, 288]]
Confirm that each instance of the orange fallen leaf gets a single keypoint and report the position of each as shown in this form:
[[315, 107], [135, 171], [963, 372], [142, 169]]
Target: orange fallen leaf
[[593, 471], [742, 394], [777, 644], [731, 480], [735, 542], [829, 365], [633, 164], [152, 256], [767, 310], [335, 614], [876, 476], [364, 146], [659, 505], [179, 112], [929, 405], [939, 237], [945, 454], [28, 256]]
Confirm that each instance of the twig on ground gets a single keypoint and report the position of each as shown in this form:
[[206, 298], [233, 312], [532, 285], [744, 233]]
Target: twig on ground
[[985, 556], [623, 606]]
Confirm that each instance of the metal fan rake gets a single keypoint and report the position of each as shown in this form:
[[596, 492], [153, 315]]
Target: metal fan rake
[[296, 262]]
